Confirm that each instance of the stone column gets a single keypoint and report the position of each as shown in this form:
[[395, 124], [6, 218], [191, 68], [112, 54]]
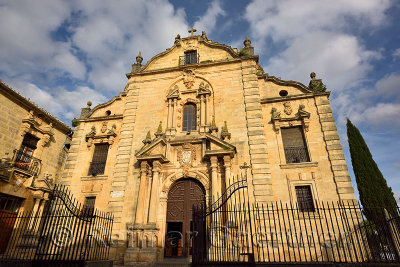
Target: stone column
[[142, 194], [228, 170], [154, 193], [214, 178], [202, 110], [169, 115], [174, 114], [206, 111]]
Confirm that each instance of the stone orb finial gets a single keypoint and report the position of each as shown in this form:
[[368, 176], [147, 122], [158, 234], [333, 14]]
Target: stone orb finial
[[312, 75], [247, 42], [89, 104]]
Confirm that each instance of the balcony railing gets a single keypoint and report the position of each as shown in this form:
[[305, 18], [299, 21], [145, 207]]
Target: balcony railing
[[26, 162], [97, 168], [189, 59], [296, 154]]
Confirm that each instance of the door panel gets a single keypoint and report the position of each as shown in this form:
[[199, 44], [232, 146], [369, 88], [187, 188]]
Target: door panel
[[181, 198]]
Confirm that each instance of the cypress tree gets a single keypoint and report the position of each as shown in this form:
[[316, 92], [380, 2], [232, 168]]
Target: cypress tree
[[372, 186]]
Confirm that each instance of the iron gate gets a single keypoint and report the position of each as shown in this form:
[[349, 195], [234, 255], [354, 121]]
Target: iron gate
[[64, 231], [233, 231]]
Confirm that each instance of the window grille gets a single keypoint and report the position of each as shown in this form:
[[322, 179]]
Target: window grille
[[89, 204], [294, 145], [304, 198], [191, 57], [189, 117], [98, 164]]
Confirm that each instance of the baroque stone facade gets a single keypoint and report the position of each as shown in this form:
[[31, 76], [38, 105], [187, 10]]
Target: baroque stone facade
[[198, 112], [32, 151]]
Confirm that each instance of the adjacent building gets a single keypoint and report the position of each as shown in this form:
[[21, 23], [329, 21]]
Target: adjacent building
[[33, 151]]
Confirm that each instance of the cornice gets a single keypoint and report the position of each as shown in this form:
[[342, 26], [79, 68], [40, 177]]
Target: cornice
[[292, 97]]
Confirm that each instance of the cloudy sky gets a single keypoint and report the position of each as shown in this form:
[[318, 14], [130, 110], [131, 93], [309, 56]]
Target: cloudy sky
[[63, 53]]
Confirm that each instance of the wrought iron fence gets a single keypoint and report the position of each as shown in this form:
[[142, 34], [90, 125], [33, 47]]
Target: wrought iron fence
[[241, 233], [26, 162], [296, 154], [64, 231]]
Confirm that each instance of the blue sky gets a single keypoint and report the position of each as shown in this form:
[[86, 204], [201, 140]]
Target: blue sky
[[63, 53]]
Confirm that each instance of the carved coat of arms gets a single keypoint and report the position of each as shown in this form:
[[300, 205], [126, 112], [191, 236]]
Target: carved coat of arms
[[288, 108], [188, 78], [186, 156]]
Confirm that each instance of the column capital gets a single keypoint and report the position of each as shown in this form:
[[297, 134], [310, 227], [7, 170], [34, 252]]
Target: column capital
[[144, 166], [214, 161], [157, 166], [227, 161]]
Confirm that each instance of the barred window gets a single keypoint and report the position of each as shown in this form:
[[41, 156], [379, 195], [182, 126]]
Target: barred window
[[98, 164], [294, 145], [28, 146], [304, 198], [89, 204], [189, 117], [191, 57]]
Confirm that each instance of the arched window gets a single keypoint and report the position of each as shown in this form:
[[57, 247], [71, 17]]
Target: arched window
[[189, 117]]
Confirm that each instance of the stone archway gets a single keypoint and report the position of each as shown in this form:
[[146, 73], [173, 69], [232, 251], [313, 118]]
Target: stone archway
[[183, 194]]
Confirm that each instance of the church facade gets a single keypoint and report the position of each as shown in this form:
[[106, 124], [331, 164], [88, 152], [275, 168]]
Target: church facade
[[189, 122]]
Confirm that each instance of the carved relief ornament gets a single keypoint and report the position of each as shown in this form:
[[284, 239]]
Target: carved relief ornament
[[33, 124], [188, 78], [302, 117], [107, 135]]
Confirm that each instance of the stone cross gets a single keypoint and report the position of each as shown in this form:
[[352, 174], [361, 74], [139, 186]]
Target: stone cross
[[192, 31]]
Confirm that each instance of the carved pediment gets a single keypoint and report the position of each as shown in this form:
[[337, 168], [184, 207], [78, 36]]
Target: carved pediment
[[155, 150], [217, 146]]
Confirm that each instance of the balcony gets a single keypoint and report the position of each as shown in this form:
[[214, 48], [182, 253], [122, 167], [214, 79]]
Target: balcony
[[189, 58], [296, 154], [21, 162]]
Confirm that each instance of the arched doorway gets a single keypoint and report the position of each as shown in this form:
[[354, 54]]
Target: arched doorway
[[182, 195]]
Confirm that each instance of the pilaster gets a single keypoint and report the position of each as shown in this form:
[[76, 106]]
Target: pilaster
[[335, 154], [261, 174]]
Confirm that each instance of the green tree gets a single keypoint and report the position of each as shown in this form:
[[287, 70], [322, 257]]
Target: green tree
[[372, 186]]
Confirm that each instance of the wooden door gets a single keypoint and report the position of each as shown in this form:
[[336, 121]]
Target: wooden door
[[181, 197]]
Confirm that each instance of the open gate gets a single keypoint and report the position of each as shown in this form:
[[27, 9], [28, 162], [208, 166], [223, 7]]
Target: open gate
[[234, 232]]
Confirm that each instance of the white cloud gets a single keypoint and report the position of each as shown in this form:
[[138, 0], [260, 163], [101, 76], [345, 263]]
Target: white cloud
[[208, 21], [60, 102], [389, 86], [26, 44], [315, 36], [383, 114], [337, 58], [396, 53]]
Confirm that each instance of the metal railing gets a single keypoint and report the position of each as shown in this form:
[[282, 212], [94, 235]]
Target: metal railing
[[63, 231], [336, 232], [189, 59], [25, 162], [296, 154]]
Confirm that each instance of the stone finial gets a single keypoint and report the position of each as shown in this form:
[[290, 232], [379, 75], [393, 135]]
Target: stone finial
[[177, 39], [316, 84], [247, 50], [192, 31], [85, 111], [204, 35], [159, 130], [213, 128], [225, 133], [139, 58], [147, 140], [247, 42]]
